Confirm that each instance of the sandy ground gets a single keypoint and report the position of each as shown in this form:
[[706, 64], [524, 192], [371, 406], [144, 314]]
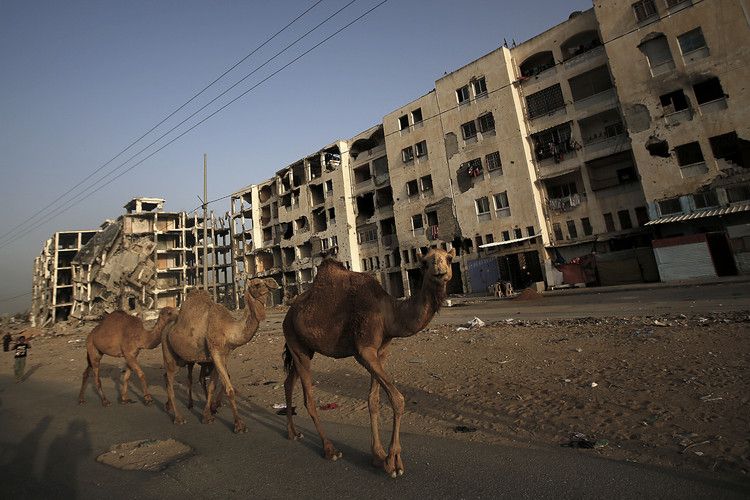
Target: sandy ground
[[671, 391]]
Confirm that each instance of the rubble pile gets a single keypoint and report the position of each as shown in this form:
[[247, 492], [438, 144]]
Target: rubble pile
[[646, 320]]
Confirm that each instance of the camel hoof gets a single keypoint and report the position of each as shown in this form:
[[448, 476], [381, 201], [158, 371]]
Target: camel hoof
[[179, 421], [333, 454], [239, 426], [81, 402], [394, 475], [296, 436], [190, 404], [105, 403], [148, 400], [208, 419], [214, 409], [126, 401]]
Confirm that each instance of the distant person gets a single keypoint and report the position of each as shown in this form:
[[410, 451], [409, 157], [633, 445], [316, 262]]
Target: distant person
[[6, 341], [21, 349]]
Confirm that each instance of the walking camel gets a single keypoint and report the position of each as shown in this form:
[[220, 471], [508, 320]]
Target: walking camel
[[205, 333], [122, 336], [344, 314]]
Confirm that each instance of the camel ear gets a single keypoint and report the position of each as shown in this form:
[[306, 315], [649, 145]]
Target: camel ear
[[452, 253], [271, 283]]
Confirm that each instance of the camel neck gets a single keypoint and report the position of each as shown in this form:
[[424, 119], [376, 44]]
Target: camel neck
[[418, 310], [254, 313], [153, 336]]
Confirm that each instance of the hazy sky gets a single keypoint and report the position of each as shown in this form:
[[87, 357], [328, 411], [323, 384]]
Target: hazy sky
[[81, 80]]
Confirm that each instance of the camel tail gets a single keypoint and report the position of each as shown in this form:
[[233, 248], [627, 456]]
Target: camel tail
[[288, 360]]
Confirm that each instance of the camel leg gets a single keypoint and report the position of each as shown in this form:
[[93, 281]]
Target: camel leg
[[239, 425], [302, 363], [86, 371], [190, 384], [95, 358], [124, 399], [170, 364], [291, 379], [368, 357], [133, 365], [208, 410]]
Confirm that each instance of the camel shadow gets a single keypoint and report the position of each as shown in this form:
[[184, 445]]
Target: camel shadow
[[30, 372]]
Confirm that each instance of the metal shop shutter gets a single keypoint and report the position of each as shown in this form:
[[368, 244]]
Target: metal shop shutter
[[679, 262], [482, 273]]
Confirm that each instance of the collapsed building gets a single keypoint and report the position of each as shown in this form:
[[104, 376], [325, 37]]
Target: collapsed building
[[145, 260]]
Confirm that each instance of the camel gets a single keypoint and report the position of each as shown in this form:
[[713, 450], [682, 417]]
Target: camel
[[122, 336], [205, 333], [345, 313]]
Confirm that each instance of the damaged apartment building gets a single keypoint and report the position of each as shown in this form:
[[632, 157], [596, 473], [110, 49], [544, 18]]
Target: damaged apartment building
[[611, 148], [141, 262]]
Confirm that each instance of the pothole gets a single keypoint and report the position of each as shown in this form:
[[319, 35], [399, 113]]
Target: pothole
[[146, 454]]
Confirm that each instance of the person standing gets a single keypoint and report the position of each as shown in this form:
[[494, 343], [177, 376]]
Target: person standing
[[21, 349], [6, 341]]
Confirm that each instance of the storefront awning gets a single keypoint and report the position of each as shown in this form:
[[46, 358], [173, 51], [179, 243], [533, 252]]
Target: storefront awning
[[743, 207], [507, 242]]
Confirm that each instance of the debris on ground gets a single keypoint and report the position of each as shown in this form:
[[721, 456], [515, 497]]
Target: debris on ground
[[579, 440], [147, 454], [473, 323], [329, 406], [464, 428], [528, 294]]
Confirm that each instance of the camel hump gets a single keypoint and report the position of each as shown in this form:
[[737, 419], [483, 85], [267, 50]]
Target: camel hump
[[331, 262]]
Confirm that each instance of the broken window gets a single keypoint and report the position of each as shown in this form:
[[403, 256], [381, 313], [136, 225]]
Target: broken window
[[301, 224], [407, 154], [562, 190], [641, 215], [537, 63], [480, 86], [486, 123], [365, 206], [416, 221], [658, 54], [691, 41], [624, 216], [362, 174], [545, 101], [316, 169], [316, 194], [305, 250], [501, 204], [406, 256], [670, 206], [472, 167], [384, 197], [506, 235], [674, 101], [367, 234], [609, 222], [554, 143], [412, 188], [731, 148], [708, 90], [689, 154], [586, 225], [482, 205], [493, 162], [403, 122], [645, 9], [469, 130], [332, 215], [572, 231], [530, 230], [705, 199], [380, 165], [462, 94], [319, 220], [479, 241], [590, 83], [329, 188], [426, 183], [416, 116], [420, 148], [489, 238], [432, 218], [557, 230]]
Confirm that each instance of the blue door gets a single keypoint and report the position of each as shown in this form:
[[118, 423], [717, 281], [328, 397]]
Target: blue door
[[483, 273]]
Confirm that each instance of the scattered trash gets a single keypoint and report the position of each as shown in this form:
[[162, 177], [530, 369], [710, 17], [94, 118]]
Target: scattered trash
[[464, 428], [594, 384], [566, 380], [476, 323], [699, 453], [448, 303], [660, 323], [329, 406], [278, 406], [708, 397], [578, 349], [579, 440], [418, 360], [269, 382], [693, 445]]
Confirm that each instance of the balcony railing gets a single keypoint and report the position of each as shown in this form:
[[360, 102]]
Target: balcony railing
[[566, 203], [433, 232]]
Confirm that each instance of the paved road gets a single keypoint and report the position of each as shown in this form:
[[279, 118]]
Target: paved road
[[48, 445]]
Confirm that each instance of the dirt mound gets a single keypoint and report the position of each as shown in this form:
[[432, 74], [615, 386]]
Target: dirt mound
[[148, 454], [528, 294]]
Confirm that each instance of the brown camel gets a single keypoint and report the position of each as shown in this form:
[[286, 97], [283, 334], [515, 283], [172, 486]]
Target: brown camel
[[205, 333], [123, 336], [344, 314]]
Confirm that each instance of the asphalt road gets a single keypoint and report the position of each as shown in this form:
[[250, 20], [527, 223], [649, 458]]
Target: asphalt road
[[49, 444]]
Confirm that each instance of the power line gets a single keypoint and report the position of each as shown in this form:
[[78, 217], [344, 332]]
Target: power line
[[83, 196], [133, 143], [8, 299]]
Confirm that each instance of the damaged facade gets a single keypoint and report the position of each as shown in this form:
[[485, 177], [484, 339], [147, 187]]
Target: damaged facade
[[141, 262]]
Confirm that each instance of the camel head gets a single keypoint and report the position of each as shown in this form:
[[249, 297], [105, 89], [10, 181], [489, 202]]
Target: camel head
[[436, 265], [168, 314], [258, 288]]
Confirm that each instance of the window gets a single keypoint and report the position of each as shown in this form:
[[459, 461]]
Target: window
[[480, 86], [586, 225], [478, 239], [482, 205], [738, 193], [486, 123], [691, 41], [417, 222], [706, 199], [368, 235], [501, 204], [530, 230], [727, 147], [489, 238], [641, 215], [403, 122], [590, 83], [469, 130], [674, 101], [329, 187], [517, 233], [672, 3], [557, 230], [493, 162], [624, 216], [462, 94], [658, 54], [364, 264], [506, 235], [332, 215], [670, 206], [644, 10], [572, 231], [412, 188], [627, 174], [709, 90], [609, 222], [473, 167], [416, 116], [562, 190], [432, 218], [426, 183], [553, 143], [688, 154], [407, 154], [406, 256], [421, 148], [545, 101]]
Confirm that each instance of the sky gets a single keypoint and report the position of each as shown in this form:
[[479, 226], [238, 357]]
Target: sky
[[82, 80]]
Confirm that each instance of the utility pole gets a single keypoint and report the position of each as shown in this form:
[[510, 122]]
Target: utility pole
[[205, 225]]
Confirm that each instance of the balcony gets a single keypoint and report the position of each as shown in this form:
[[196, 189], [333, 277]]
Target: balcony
[[597, 102], [566, 203], [589, 56], [389, 240]]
